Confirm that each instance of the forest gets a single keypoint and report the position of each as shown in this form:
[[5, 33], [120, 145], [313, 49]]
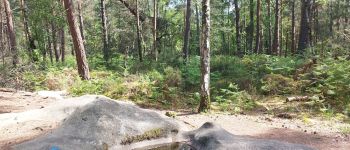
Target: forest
[[223, 55]]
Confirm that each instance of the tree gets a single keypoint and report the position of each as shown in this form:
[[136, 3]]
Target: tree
[[83, 68], [205, 57], [293, 45], [11, 32], [81, 20], [28, 35], [104, 31], [238, 28], [155, 15], [187, 31], [139, 36], [258, 30], [269, 38], [276, 37], [304, 40], [251, 26]]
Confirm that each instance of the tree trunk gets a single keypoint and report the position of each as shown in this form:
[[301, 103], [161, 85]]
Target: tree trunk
[[49, 44], [11, 32], [238, 29], [63, 43], [187, 31], [139, 41], [30, 40], [251, 26], [155, 30], [104, 32], [197, 27], [2, 46], [81, 21], [269, 38], [258, 31], [79, 48], [205, 57], [142, 16], [304, 40], [54, 41], [293, 45], [276, 39]]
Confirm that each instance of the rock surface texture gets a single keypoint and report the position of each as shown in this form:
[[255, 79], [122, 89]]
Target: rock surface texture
[[212, 137], [105, 124], [98, 123]]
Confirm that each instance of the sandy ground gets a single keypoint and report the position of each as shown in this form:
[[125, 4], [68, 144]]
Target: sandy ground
[[323, 135]]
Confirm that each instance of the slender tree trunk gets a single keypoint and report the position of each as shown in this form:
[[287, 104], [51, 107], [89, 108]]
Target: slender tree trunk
[[81, 20], [276, 38], [269, 38], [104, 32], [63, 43], [304, 40], [11, 32], [293, 45], [54, 42], [238, 28], [155, 16], [2, 46], [330, 7], [187, 31], [79, 48], [197, 27], [205, 57], [139, 41], [49, 45], [30, 40], [258, 30], [251, 26]]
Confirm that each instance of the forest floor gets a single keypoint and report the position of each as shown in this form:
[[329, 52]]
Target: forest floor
[[317, 133]]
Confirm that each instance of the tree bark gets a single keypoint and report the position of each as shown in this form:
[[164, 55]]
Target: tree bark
[[139, 37], [83, 68], [104, 32], [205, 58], [198, 27], [187, 32], [54, 41], [304, 40], [238, 28], [11, 32], [276, 38], [269, 38], [155, 29], [81, 21], [293, 45], [62, 44], [2, 45], [49, 45], [251, 26], [258, 30]]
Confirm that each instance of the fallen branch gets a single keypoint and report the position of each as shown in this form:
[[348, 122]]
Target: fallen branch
[[297, 98]]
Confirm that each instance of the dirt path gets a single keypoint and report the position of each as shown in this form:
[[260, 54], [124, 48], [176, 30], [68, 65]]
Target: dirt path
[[323, 135]]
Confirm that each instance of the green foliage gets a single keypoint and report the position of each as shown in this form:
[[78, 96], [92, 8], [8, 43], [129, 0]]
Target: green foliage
[[330, 80], [277, 84], [231, 99]]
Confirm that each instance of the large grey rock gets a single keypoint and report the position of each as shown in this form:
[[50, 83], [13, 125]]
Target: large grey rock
[[103, 123], [212, 137]]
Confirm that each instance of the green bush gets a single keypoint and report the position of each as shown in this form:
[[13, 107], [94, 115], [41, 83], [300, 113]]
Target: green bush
[[232, 99], [330, 80], [277, 84]]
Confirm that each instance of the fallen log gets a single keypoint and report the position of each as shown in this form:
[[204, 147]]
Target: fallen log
[[298, 98]]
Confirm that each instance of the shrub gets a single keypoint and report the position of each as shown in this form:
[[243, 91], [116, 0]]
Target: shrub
[[277, 84]]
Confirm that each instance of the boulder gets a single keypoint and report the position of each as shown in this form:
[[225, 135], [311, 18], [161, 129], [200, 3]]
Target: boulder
[[106, 124], [212, 137]]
